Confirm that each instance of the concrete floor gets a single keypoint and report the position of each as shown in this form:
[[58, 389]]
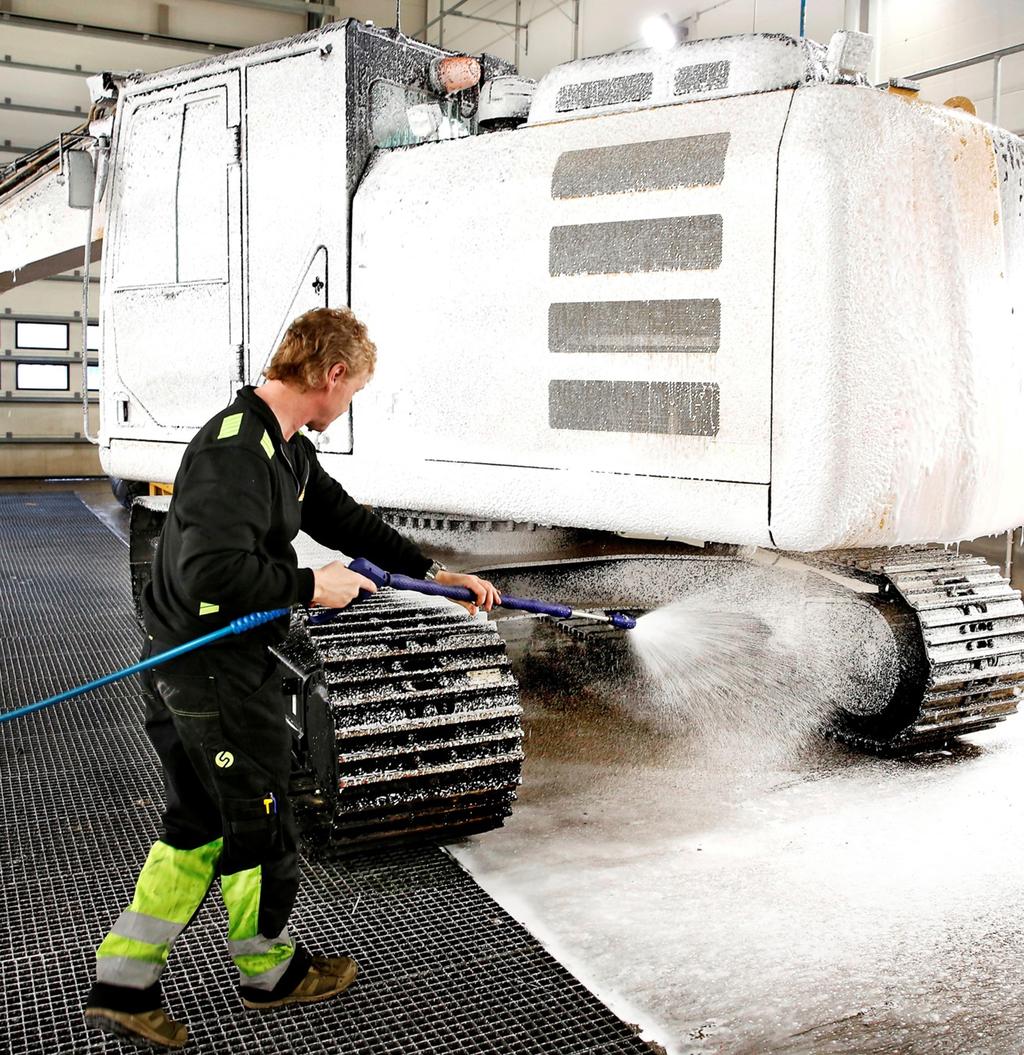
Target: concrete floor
[[730, 900], [732, 896]]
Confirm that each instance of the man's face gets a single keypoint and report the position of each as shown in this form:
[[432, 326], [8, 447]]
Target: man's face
[[336, 395]]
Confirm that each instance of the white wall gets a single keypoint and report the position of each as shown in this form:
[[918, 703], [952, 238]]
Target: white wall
[[204, 20], [919, 36]]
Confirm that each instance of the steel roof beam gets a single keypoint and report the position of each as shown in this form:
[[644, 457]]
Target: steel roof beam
[[9, 63], [128, 36], [295, 7], [50, 111]]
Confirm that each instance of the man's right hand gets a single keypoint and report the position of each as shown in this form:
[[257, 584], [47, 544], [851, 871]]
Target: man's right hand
[[335, 586]]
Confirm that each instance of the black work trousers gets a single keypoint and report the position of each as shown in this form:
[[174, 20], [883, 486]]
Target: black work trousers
[[217, 721]]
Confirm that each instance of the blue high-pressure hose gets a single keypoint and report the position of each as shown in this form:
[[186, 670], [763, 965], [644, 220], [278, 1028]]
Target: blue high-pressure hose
[[363, 567], [236, 626]]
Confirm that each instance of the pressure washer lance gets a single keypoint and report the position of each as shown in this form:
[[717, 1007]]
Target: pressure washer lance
[[236, 626], [460, 593]]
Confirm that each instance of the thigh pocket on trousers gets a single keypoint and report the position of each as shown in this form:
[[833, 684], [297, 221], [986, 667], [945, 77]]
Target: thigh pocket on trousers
[[252, 829], [188, 695], [255, 714]]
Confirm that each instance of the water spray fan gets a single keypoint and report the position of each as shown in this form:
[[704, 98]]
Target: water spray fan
[[460, 593]]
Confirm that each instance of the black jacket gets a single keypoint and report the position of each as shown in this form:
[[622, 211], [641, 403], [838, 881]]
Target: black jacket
[[240, 497]]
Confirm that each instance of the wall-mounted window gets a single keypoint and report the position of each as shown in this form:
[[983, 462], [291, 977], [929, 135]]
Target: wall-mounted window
[[49, 377], [93, 337], [50, 335], [93, 377]]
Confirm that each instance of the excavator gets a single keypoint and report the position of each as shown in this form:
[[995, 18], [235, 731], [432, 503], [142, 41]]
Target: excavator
[[638, 323]]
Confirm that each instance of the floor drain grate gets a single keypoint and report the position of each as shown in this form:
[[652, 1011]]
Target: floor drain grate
[[444, 969]]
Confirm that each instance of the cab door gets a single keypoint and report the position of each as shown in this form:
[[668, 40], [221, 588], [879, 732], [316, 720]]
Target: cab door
[[173, 316]]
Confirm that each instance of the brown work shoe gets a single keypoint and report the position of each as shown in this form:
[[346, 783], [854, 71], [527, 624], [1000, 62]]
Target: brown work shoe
[[326, 977], [148, 1029], [339, 966]]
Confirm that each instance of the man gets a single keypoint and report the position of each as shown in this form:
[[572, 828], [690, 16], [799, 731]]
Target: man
[[248, 482]]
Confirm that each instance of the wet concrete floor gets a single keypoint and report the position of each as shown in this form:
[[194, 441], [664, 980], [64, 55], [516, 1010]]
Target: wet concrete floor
[[733, 894]]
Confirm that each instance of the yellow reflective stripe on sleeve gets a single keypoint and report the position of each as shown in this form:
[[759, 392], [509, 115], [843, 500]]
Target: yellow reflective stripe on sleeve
[[205, 608], [229, 426], [267, 444]]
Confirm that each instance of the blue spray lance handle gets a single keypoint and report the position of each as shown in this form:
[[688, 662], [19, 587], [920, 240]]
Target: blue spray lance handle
[[460, 593], [236, 626], [453, 593]]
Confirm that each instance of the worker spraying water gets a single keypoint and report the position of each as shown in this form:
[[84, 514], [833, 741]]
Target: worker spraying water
[[247, 483], [797, 437]]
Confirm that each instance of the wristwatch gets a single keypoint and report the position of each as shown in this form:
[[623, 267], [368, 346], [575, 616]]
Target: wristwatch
[[436, 567]]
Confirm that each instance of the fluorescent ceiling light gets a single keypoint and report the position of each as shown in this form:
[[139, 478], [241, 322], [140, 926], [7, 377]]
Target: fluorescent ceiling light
[[659, 31]]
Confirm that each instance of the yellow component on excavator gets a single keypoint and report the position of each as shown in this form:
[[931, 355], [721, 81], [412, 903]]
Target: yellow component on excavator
[[961, 102]]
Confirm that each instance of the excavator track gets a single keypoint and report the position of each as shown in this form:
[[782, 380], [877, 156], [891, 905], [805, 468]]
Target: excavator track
[[413, 724], [965, 668]]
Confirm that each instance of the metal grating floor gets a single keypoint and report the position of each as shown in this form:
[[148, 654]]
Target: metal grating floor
[[443, 968]]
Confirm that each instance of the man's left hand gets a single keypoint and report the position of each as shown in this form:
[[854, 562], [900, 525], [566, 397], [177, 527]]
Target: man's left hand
[[486, 595]]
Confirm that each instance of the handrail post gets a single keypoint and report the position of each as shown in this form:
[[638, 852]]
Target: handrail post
[[997, 87]]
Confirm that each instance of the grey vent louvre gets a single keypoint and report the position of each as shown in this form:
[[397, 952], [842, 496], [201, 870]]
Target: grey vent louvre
[[680, 408], [669, 243], [633, 88], [702, 77], [663, 164], [635, 326]]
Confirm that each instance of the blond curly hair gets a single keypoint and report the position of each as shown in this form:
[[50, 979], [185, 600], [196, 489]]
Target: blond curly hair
[[318, 340]]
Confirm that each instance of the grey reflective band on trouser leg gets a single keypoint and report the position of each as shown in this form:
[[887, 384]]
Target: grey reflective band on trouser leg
[[132, 971], [259, 946], [150, 929], [127, 971]]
